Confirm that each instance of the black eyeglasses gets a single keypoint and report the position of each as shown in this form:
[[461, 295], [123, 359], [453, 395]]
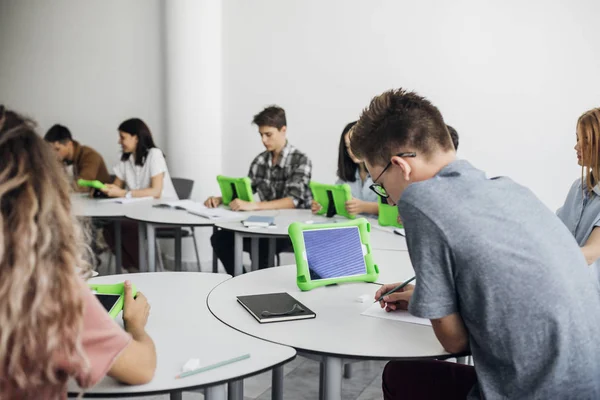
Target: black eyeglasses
[[378, 187]]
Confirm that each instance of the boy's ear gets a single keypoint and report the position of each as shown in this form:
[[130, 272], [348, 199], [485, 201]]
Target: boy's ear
[[283, 129]]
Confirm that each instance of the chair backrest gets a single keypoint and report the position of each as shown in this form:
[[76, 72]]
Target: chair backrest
[[183, 187]]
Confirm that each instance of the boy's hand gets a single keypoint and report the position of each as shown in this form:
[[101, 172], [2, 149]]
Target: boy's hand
[[315, 207], [241, 205], [395, 301], [213, 202]]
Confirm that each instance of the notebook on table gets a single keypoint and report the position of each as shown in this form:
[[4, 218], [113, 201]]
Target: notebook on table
[[275, 307]]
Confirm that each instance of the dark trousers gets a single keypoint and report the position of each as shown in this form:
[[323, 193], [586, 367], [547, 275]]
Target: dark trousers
[[223, 245], [129, 243], [427, 380]]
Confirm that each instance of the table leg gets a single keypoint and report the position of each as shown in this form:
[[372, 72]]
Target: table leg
[[271, 252], [142, 247], [461, 360], [178, 395], [235, 390], [151, 235], [238, 249], [215, 393], [178, 266], [118, 247], [321, 380], [254, 253], [332, 377], [277, 383], [348, 371], [215, 259]]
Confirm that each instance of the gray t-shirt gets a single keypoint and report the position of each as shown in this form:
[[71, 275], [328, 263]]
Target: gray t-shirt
[[581, 214], [489, 250]]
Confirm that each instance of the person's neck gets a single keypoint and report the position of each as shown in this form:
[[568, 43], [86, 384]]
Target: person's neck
[[71, 154], [362, 171], [276, 154], [433, 167]]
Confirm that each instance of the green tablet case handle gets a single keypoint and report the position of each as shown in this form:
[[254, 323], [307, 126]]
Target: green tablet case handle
[[117, 288], [91, 184], [235, 188], [388, 215], [332, 199], [303, 279]]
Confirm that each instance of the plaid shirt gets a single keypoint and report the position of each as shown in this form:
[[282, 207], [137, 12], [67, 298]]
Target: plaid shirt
[[288, 178]]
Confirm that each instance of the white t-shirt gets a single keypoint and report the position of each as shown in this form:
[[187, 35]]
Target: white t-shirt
[[140, 177]]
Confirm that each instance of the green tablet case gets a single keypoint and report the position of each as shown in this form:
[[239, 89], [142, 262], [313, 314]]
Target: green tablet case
[[91, 184], [117, 288], [303, 278], [235, 188], [388, 215], [332, 199]]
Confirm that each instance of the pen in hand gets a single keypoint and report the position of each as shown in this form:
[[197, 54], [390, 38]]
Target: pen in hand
[[401, 286]]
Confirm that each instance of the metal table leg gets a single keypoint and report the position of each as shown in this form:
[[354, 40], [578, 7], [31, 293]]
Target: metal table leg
[[215, 393], [142, 247], [277, 383], [272, 252], [332, 377], [238, 249], [176, 395], [254, 253], [151, 235], [178, 266], [118, 247], [235, 390]]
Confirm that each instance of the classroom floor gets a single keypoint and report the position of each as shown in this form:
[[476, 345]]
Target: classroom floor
[[301, 381]]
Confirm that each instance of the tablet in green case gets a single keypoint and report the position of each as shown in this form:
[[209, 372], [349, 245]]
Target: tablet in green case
[[332, 199], [114, 289], [388, 215], [327, 254], [235, 188], [91, 184]]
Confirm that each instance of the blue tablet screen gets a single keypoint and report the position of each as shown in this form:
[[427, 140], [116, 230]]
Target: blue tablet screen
[[334, 252]]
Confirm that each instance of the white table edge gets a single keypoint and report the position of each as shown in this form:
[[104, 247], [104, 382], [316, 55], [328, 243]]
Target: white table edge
[[336, 355]]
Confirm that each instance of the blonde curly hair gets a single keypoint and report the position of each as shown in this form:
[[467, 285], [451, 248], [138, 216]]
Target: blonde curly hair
[[41, 263]]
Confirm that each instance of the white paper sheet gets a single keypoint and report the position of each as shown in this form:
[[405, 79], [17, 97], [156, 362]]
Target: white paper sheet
[[403, 316], [123, 200]]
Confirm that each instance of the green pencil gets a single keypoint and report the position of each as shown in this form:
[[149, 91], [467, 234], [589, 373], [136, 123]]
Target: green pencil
[[395, 289], [212, 366]]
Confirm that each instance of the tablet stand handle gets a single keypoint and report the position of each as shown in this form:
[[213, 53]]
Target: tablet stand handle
[[330, 205], [234, 193]]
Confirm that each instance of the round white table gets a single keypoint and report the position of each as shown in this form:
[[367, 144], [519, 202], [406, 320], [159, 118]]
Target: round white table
[[150, 218], [394, 266], [381, 238], [182, 328], [338, 332]]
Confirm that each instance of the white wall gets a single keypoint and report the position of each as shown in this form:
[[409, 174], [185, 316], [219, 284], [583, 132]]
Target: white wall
[[511, 76], [86, 64]]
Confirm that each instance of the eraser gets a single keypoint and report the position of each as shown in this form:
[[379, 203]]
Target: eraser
[[191, 364], [364, 298], [310, 221]]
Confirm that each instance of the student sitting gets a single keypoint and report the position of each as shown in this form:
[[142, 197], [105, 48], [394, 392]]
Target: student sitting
[[499, 276], [352, 171], [280, 176], [581, 211], [142, 172], [86, 163], [53, 327]]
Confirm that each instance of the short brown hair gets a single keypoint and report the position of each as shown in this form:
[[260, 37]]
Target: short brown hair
[[271, 116], [399, 119]]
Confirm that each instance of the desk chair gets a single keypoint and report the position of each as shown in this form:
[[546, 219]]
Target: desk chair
[[183, 188]]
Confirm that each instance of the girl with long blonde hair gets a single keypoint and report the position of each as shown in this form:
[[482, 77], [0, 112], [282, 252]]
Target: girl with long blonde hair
[[51, 326], [581, 211]]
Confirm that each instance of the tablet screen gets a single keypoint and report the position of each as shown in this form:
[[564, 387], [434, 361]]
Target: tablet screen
[[334, 252], [108, 301]]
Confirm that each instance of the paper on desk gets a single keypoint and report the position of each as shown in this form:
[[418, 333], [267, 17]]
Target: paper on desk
[[403, 316], [124, 200]]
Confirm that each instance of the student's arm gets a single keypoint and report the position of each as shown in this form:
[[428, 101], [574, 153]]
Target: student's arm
[[356, 206], [297, 186], [155, 189], [279, 204], [88, 170], [591, 249], [136, 364], [451, 333]]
